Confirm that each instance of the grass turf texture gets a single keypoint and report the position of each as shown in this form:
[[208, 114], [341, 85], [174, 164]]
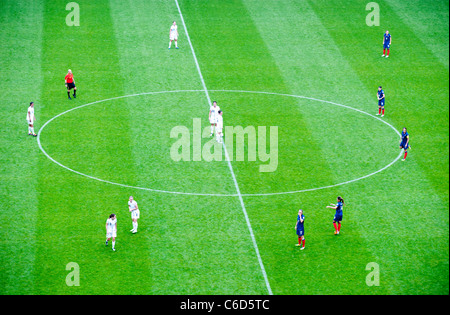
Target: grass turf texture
[[201, 244]]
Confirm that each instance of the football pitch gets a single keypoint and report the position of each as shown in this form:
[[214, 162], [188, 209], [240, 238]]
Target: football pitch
[[297, 83]]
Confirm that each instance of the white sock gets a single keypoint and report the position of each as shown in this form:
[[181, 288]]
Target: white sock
[[176, 44], [113, 244], [32, 130], [29, 129], [212, 129], [170, 44], [136, 226]]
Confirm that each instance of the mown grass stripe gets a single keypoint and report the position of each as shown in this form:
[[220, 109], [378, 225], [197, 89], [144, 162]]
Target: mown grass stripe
[[21, 82]]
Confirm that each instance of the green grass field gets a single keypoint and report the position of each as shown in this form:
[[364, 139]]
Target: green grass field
[[310, 68]]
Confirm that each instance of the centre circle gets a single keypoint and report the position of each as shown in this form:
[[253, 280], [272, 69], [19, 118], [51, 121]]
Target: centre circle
[[153, 189]]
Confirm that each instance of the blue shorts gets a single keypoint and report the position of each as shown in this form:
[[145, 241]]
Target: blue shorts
[[300, 232], [386, 45], [404, 146], [337, 218], [381, 102]]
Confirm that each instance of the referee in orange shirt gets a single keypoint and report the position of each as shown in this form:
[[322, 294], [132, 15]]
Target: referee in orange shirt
[[70, 84]]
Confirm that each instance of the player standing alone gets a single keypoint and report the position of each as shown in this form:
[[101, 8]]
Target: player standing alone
[[381, 101], [338, 216], [404, 142], [173, 34], [135, 213], [30, 120], [387, 40], [111, 230], [70, 84], [299, 228], [213, 114]]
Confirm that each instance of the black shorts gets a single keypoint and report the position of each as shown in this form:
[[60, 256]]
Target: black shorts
[[70, 85]]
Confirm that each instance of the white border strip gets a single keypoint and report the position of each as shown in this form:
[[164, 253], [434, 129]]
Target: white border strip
[[255, 245]]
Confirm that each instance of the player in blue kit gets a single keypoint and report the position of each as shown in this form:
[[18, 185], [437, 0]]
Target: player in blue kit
[[381, 100], [338, 216], [300, 229], [404, 142], [387, 40]]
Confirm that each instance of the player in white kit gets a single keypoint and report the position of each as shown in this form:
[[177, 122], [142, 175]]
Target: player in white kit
[[213, 116], [111, 230], [135, 213], [30, 120], [219, 127], [173, 34]]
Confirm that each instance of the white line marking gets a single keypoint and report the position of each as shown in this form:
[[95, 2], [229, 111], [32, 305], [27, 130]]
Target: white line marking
[[345, 106], [255, 245], [213, 194], [107, 181]]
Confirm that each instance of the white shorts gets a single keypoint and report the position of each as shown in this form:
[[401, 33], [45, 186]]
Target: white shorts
[[29, 122], [173, 37], [213, 121], [110, 234], [135, 214]]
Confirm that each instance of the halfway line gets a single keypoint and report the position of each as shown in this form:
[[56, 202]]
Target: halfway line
[[255, 245]]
